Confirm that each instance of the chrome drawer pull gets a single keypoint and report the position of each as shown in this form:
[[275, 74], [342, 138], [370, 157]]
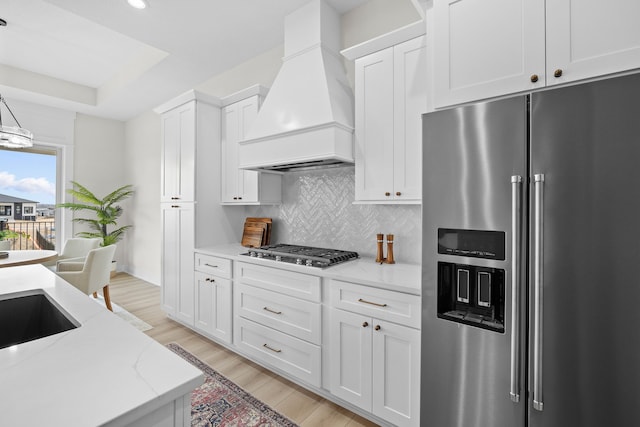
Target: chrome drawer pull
[[209, 265], [372, 303], [272, 349], [271, 311]]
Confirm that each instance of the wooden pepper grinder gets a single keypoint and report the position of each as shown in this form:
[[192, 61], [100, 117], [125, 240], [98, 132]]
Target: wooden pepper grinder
[[390, 259], [380, 241]]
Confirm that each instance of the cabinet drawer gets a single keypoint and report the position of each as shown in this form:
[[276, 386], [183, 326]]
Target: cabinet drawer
[[304, 286], [284, 313], [383, 304], [213, 265], [291, 355]]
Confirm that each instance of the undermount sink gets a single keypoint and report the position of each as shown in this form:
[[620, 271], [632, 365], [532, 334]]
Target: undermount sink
[[28, 316]]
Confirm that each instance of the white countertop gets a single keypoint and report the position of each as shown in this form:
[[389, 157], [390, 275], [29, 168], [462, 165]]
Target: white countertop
[[104, 372], [399, 277]]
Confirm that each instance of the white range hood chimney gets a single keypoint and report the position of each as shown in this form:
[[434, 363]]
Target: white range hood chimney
[[307, 118]]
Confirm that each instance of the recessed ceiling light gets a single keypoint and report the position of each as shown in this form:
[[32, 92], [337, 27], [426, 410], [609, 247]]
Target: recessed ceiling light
[[138, 4]]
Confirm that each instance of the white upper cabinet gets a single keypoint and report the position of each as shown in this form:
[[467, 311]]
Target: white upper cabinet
[[178, 154], [391, 96], [489, 48], [485, 48], [588, 38], [238, 186]]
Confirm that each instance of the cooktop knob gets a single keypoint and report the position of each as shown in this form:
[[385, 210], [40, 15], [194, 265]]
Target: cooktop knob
[[278, 258], [260, 255], [298, 261], [309, 263]]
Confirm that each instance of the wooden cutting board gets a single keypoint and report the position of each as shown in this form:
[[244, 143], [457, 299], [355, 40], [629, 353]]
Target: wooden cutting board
[[252, 236], [269, 224], [261, 225]]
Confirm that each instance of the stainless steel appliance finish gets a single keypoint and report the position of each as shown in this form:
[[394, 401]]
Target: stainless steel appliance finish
[[302, 255], [558, 173]]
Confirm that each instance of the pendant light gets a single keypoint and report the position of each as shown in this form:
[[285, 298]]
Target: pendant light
[[12, 136]]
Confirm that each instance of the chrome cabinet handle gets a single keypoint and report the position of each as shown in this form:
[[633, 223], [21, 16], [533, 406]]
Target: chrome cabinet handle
[[271, 311], [537, 290], [209, 265], [372, 303], [271, 348], [516, 227]]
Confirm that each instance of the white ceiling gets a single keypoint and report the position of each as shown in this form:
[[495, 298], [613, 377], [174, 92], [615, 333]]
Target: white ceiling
[[104, 58]]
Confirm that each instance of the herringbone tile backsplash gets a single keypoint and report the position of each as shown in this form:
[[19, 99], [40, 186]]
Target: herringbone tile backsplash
[[318, 210]]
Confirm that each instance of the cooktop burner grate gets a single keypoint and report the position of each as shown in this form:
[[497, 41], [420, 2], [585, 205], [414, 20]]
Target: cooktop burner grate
[[302, 255]]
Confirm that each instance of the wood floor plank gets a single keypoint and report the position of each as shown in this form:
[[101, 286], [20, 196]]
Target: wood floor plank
[[142, 299]]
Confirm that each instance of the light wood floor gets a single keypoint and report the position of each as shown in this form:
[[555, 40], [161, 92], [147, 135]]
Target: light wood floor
[[301, 406]]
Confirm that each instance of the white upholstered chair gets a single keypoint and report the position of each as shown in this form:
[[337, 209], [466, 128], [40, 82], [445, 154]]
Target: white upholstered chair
[[91, 275], [75, 249]]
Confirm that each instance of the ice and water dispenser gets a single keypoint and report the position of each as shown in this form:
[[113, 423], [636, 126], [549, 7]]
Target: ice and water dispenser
[[472, 294]]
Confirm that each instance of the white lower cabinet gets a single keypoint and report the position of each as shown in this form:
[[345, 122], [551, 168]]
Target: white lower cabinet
[[177, 296], [278, 319], [213, 290], [370, 343], [375, 364], [291, 355]]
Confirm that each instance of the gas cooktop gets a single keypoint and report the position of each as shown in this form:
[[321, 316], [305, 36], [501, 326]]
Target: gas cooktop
[[302, 255]]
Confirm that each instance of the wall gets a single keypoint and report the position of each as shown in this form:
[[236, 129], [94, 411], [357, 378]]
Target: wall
[[259, 70], [99, 165], [142, 154], [318, 210]]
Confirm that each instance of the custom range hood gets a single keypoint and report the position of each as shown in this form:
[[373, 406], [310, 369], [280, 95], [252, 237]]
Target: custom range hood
[[306, 119]]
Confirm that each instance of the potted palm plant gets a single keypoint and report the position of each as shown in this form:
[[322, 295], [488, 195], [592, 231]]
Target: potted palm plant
[[106, 212], [5, 235], [5, 243]]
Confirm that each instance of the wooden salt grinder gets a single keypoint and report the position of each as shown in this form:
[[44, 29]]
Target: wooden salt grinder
[[390, 259], [380, 256]]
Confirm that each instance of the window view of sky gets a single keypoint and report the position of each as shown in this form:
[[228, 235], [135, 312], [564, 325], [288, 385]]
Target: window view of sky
[[29, 176]]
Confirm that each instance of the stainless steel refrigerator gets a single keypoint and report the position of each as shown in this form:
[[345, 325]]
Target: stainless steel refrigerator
[[531, 260]]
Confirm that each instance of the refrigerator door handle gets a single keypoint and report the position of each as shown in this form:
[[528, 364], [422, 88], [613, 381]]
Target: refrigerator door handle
[[516, 227], [537, 289]]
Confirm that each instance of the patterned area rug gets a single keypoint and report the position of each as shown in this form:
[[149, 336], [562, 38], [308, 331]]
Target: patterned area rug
[[220, 402]]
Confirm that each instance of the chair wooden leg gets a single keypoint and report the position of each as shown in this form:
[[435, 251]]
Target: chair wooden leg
[[107, 298]]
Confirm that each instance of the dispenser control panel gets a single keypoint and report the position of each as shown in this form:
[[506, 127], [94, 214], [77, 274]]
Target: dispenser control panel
[[472, 295]]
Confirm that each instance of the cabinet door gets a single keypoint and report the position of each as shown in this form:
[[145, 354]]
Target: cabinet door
[[178, 154], [213, 306], [580, 52], [396, 373], [410, 102], [229, 167], [238, 186], [374, 126], [350, 358], [248, 180], [487, 48], [177, 260]]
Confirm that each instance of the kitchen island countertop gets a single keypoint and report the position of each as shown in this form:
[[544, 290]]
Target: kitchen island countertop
[[399, 277], [105, 372]]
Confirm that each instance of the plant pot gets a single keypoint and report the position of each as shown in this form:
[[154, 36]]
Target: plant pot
[[5, 245]]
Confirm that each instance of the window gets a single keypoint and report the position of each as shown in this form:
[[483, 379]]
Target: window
[[28, 181]]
